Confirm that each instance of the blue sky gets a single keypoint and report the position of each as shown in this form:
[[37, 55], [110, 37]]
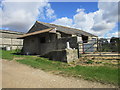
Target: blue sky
[[94, 17], [63, 9], [68, 9]]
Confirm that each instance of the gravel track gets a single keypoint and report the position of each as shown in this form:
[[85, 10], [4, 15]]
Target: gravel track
[[15, 75]]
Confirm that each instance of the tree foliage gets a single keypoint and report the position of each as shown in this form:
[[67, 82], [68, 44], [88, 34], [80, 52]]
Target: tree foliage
[[106, 46]]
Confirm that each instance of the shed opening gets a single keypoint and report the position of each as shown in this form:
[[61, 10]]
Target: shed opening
[[84, 39]]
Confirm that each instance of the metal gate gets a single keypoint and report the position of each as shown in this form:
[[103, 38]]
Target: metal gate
[[89, 47]]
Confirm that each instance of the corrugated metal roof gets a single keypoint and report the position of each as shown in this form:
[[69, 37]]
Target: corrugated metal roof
[[41, 27], [67, 30], [11, 32], [37, 27]]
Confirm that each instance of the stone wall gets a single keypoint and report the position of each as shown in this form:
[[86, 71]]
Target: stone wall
[[72, 55], [33, 45], [57, 55], [53, 48], [30, 45], [62, 42], [66, 55]]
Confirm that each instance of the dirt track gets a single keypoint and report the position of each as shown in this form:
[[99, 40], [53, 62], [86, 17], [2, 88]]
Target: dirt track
[[15, 75]]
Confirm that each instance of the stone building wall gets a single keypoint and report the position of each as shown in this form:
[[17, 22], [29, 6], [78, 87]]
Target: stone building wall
[[33, 44], [55, 46]]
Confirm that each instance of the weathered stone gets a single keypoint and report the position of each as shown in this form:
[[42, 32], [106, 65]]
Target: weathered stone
[[67, 55], [72, 55]]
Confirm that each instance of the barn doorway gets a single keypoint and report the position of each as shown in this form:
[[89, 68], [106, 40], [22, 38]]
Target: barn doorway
[[84, 39]]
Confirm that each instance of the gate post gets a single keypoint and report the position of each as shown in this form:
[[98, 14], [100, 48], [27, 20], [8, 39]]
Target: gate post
[[78, 50], [83, 48]]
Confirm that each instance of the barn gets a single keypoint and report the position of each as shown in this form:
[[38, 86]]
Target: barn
[[57, 42], [9, 41]]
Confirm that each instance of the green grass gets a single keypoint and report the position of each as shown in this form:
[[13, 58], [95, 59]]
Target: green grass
[[6, 55], [104, 74], [43, 63], [10, 55]]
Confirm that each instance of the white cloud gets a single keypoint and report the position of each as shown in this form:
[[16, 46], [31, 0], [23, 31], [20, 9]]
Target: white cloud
[[114, 34], [83, 21], [110, 9], [63, 21], [99, 23], [25, 0], [20, 16], [80, 10], [119, 11], [109, 0], [50, 12]]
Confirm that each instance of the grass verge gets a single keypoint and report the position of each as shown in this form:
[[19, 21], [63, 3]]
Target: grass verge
[[6, 55], [104, 74], [10, 55]]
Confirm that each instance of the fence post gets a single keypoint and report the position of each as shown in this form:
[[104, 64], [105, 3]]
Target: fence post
[[100, 47]]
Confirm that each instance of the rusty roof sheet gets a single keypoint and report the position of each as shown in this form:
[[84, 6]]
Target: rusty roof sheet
[[35, 33]]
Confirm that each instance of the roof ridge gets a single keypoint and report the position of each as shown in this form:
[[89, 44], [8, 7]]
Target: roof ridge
[[64, 27]]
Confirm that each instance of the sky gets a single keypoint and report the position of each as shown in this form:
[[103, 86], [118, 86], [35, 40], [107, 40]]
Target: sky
[[98, 18]]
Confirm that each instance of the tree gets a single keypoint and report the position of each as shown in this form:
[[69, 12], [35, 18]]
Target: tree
[[104, 45], [115, 44]]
